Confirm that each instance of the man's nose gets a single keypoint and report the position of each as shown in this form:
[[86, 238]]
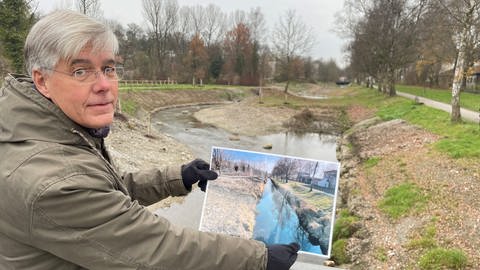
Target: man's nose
[[101, 81]]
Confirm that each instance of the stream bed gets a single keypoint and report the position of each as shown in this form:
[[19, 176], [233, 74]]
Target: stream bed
[[181, 125]]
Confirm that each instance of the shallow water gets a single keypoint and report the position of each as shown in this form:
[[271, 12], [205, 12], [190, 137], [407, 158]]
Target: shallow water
[[180, 124]]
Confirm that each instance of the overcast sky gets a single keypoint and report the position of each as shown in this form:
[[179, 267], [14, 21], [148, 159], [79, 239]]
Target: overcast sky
[[318, 14]]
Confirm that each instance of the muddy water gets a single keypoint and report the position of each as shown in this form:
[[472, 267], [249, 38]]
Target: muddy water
[[180, 124]]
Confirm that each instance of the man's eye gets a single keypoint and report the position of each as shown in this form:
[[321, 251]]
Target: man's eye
[[109, 70], [80, 73]]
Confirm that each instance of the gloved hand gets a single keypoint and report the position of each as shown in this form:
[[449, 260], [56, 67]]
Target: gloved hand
[[197, 171], [281, 257]]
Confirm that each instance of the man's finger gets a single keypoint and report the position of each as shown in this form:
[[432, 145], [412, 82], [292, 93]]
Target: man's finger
[[207, 175]]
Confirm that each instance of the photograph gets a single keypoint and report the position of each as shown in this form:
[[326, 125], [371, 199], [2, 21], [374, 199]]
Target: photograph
[[272, 198]]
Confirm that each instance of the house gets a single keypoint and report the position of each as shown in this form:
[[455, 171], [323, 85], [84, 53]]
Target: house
[[473, 79]]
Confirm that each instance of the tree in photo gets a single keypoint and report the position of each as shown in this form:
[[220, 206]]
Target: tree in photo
[[285, 169]]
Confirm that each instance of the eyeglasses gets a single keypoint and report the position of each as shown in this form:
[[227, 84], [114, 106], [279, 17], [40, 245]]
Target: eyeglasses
[[91, 75]]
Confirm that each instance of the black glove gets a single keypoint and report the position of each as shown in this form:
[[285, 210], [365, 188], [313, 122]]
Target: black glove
[[281, 257], [197, 171]]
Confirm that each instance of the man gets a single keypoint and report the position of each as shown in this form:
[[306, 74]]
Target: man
[[63, 205]]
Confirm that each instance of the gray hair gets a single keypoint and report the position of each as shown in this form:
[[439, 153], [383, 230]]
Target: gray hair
[[63, 34]]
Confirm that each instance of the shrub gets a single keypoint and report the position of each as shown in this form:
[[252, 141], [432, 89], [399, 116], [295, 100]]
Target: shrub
[[339, 252]]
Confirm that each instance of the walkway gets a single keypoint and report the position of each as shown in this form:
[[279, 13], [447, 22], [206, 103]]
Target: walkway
[[466, 114]]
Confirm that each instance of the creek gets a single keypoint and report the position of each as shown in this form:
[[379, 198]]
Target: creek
[[277, 222], [181, 125]]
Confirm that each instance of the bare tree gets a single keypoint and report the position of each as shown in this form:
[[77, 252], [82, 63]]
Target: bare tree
[[91, 8], [162, 16], [237, 17], [386, 38], [286, 168], [215, 25], [257, 24], [291, 39]]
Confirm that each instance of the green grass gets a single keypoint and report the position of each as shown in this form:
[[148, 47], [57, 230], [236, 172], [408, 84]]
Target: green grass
[[467, 100], [457, 140], [401, 200], [381, 254], [314, 198], [432, 256], [344, 226], [339, 251], [371, 162], [426, 239], [441, 258], [129, 106]]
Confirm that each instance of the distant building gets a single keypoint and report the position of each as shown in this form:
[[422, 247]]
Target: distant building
[[326, 183]]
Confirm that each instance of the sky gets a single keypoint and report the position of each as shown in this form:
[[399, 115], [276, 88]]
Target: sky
[[270, 160], [317, 14]]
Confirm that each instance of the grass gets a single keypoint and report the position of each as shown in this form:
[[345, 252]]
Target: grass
[[381, 254], [399, 200], [129, 106], [314, 198], [425, 240], [456, 140], [371, 162], [467, 100], [432, 256], [441, 258], [339, 252], [344, 226]]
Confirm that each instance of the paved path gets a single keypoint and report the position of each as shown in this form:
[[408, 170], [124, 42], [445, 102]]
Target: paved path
[[466, 114]]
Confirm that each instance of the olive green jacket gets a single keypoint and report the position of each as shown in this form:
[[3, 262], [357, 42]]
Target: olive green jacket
[[64, 206]]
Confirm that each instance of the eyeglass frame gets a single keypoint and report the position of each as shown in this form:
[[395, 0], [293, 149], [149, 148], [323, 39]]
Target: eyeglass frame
[[90, 72]]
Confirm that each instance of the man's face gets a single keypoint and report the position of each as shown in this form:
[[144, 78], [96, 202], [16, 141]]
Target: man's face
[[89, 104]]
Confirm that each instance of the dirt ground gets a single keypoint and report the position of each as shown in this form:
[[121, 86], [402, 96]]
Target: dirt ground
[[404, 152], [405, 155]]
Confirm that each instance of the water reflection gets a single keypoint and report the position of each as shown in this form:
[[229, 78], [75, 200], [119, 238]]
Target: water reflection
[[277, 222]]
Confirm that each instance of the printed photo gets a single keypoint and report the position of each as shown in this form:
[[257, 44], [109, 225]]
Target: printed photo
[[272, 198]]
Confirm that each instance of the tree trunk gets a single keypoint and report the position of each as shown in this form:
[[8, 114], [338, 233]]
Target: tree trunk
[[391, 82], [313, 175], [457, 85], [286, 87]]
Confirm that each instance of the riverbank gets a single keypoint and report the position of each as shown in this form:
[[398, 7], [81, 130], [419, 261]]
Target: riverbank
[[315, 222], [445, 222], [238, 197], [375, 157]]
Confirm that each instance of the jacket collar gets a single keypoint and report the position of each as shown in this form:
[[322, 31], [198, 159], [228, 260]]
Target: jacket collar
[[28, 115]]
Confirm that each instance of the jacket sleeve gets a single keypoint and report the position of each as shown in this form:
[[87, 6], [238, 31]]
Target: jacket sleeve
[[84, 220], [151, 186]]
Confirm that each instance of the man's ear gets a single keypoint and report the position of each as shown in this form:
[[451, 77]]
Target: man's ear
[[40, 81]]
